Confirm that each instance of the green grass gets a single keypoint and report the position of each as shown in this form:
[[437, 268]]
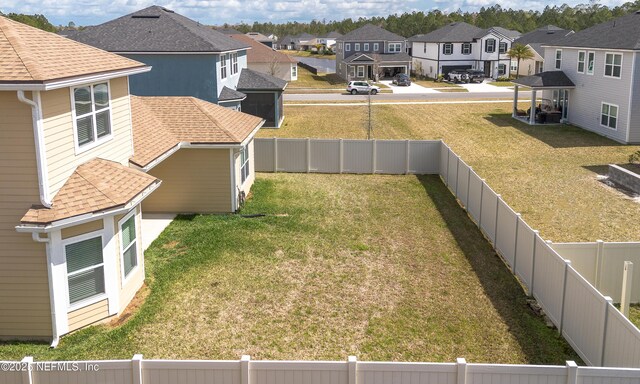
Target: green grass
[[381, 267], [436, 84], [322, 83], [501, 83]]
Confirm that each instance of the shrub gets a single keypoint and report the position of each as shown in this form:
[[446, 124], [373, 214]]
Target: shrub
[[634, 158], [503, 78]]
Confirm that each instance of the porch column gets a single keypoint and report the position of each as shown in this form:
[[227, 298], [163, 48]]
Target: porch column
[[515, 102], [532, 115]]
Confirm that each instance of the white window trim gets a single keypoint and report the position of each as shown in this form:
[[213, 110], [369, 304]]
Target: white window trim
[[613, 66], [555, 59], [617, 115], [125, 279], [463, 50], [98, 141], [593, 70], [294, 71], [365, 47], [584, 62], [493, 46], [347, 47], [356, 47], [90, 300], [234, 63], [399, 45], [376, 47], [505, 47], [358, 71], [247, 163], [444, 49], [223, 65]]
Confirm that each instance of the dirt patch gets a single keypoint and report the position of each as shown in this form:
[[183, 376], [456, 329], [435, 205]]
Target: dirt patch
[[133, 306]]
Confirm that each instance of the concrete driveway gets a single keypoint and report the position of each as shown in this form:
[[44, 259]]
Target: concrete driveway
[[485, 87], [413, 88]]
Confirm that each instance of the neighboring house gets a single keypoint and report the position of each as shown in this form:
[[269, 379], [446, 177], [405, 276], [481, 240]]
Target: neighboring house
[[592, 78], [259, 37], [534, 40], [459, 46], [371, 52], [301, 42], [263, 59], [189, 59], [82, 161], [329, 40]]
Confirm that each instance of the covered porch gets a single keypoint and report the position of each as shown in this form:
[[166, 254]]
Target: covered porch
[[553, 106]]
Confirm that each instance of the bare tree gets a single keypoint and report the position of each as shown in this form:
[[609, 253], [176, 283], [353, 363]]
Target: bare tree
[[274, 66]]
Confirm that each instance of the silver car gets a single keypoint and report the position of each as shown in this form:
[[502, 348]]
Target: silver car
[[362, 87]]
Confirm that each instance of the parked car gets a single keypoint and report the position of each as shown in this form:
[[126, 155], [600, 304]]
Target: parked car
[[401, 79], [458, 76], [362, 87], [475, 76]]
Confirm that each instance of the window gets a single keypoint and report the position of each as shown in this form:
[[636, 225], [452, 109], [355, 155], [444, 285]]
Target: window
[[234, 63], [502, 69], [92, 114], [339, 45], [352, 71], [360, 70], [514, 65], [395, 47], [466, 48], [424, 47], [609, 116], [244, 161], [366, 47], [294, 70], [503, 47], [447, 49], [128, 244], [223, 66], [591, 61], [558, 58], [85, 269], [347, 47], [581, 63], [613, 65], [356, 47], [490, 45], [376, 47]]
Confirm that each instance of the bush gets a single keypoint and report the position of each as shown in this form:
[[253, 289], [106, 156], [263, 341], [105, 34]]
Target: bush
[[634, 158], [440, 78], [503, 78]]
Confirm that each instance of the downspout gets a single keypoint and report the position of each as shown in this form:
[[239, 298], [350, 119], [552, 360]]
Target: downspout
[[54, 324], [38, 135]]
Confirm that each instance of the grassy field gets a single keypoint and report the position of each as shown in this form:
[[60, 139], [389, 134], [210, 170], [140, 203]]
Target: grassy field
[[547, 173], [381, 267], [501, 83], [434, 84], [308, 54], [322, 83]]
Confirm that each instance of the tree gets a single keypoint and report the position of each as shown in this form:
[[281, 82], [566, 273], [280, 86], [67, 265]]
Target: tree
[[520, 52]]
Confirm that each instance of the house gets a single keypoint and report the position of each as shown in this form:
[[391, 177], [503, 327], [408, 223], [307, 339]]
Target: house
[[592, 80], [459, 46], [263, 59], [301, 42], [259, 37], [534, 40], [189, 59], [81, 161], [329, 40], [371, 52]]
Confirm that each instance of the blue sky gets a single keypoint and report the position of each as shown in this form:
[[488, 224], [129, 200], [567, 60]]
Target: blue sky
[[217, 12]]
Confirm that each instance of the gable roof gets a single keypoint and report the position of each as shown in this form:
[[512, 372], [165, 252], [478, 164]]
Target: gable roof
[[459, 32], [253, 80], [503, 31], [331, 35], [156, 29], [160, 123], [257, 36], [620, 33], [542, 35], [260, 53], [549, 79], [370, 32], [228, 94], [31, 56]]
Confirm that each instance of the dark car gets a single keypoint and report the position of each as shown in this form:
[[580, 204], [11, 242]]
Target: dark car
[[458, 76], [475, 76], [401, 79]]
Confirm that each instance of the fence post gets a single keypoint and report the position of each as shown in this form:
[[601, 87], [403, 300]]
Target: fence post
[[462, 370], [308, 155], [495, 232], [407, 159], [353, 369], [536, 234], [608, 303], [515, 244], [567, 263], [599, 257], [136, 369], [244, 369], [627, 283], [275, 155], [457, 175], [374, 156], [27, 376], [341, 156], [572, 372], [446, 178], [481, 197], [466, 203]]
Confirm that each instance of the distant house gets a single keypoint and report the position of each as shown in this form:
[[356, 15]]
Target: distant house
[[301, 42], [259, 37], [263, 59], [463, 46], [371, 52], [329, 40], [534, 40]]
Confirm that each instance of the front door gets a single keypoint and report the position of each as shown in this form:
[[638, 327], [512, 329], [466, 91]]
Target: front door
[[487, 69]]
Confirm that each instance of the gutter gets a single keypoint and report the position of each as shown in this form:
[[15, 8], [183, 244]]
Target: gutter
[[52, 299], [38, 135]]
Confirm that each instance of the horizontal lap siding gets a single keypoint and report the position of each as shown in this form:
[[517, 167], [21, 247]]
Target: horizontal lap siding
[[88, 315], [24, 290], [135, 279], [634, 130]]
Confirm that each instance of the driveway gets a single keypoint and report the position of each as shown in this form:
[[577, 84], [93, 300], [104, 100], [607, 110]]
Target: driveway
[[413, 88], [485, 87]]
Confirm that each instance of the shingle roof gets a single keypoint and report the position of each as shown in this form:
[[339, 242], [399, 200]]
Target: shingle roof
[[332, 35], [228, 31], [378, 57], [161, 123], [506, 32], [620, 33], [460, 32], [549, 79], [370, 32], [253, 80], [257, 36], [156, 29], [546, 34], [94, 186], [260, 53], [30, 55], [230, 94]]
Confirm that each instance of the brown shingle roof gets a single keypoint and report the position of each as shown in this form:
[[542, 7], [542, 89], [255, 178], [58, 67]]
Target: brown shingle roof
[[161, 123], [260, 53], [30, 55], [94, 186]]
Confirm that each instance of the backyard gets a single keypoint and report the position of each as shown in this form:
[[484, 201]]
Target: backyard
[[381, 267]]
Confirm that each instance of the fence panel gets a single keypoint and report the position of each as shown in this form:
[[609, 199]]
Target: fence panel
[[622, 343], [294, 372], [192, 372], [444, 156], [463, 182], [292, 155], [391, 157], [596, 375], [263, 154], [525, 254], [424, 157], [583, 258], [452, 175], [10, 376], [548, 280], [116, 372], [530, 374], [475, 197], [406, 373], [613, 258], [583, 319], [358, 156], [325, 156], [506, 235], [488, 216]]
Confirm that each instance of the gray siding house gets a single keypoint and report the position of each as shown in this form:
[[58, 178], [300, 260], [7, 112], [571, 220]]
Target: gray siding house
[[535, 41], [371, 52]]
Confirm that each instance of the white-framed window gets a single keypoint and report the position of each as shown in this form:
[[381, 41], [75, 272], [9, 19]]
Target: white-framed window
[[613, 65], [376, 47], [609, 116], [352, 71], [85, 269], [366, 47], [223, 66], [128, 245], [466, 48], [447, 49], [395, 47], [91, 115], [294, 70], [360, 70], [502, 69], [514, 65], [244, 163], [339, 45], [234, 63], [581, 61], [356, 47], [347, 47], [490, 45], [591, 62], [503, 47], [558, 58]]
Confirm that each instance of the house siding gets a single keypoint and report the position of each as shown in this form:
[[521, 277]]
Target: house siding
[[81, 229], [24, 290], [88, 315], [193, 180], [282, 70], [634, 128], [231, 81], [59, 139], [246, 186], [130, 287]]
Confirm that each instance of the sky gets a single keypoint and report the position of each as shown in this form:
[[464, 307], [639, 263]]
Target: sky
[[218, 12]]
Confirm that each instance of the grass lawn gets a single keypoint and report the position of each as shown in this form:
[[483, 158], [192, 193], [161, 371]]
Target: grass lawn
[[308, 54], [501, 83], [434, 84], [547, 173], [381, 267], [322, 83]]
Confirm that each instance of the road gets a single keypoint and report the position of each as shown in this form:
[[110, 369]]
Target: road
[[406, 96]]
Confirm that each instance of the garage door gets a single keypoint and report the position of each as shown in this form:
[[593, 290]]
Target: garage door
[[448, 68]]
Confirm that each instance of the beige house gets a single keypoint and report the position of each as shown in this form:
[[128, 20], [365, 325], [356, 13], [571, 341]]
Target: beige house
[[266, 60], [80, 161]]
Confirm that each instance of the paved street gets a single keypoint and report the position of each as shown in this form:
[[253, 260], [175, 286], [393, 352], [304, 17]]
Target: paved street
[[407, 96]]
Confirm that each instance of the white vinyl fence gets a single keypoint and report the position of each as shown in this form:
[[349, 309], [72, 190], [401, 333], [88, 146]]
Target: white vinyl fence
[[246, 371]]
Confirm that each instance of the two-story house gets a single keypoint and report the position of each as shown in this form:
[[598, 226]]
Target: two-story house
[[534, 41], [80, 160], [329, 40], [371, 52], [459, 46], [592, 78], [189, 59]]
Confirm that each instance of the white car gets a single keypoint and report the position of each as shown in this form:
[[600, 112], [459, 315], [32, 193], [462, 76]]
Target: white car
[[362, 87]]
